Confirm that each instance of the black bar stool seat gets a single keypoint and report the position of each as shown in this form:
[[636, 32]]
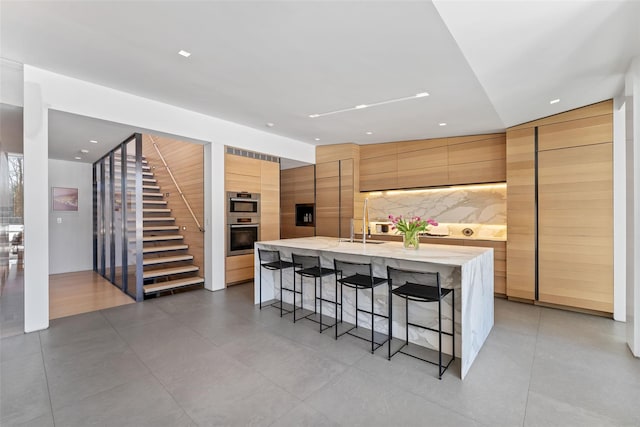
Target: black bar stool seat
[[359, 276], [270, 260], [309, 266], [424, 287]]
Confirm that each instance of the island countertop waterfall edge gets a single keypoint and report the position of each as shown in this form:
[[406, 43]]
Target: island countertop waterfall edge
[[468, 270]]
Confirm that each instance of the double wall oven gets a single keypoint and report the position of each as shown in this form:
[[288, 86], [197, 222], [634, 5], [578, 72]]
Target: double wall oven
[[243, 222]]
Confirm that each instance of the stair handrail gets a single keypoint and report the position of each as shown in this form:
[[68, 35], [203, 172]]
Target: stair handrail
[[176, 183]]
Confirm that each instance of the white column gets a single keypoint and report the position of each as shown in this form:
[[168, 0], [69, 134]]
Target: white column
[[36, 207], [632, 92], [215, 226]]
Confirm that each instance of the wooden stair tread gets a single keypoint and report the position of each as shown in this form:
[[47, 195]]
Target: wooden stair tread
[[165, 259], [165, 248], [158, 194], [150, 187], [150, 210], [161, 238], [160, 228], [172, 284], [154, 202], [169, 271], [154, 218]]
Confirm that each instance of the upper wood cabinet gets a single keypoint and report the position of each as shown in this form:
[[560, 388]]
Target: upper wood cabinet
[[433, 162]]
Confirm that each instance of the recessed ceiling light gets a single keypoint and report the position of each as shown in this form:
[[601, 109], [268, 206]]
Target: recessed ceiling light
[[93, 141], [270, 125], [317, 139], [554, 101], [374, 104], [369, 132], [442, 124], [84, 151], [78, 158], [184, 53]]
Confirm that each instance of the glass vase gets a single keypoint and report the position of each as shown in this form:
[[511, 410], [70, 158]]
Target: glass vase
[[411, 241]]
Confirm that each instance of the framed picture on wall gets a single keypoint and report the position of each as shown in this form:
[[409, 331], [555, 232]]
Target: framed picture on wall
[[64, 199]]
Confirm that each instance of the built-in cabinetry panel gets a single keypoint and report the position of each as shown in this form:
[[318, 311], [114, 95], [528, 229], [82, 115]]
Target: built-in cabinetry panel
[[433, 162], [575, 223], [297, 186], [521, 208], [570, 155], [253, 176], [337, 181]]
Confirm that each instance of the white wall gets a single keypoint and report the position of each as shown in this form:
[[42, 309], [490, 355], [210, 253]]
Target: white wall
[[44, 90], [619, 210], [632, 94], [71, 240]]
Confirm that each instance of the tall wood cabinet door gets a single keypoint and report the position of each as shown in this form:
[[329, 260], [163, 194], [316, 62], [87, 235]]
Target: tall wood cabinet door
[[575, 219], [346, 197], [327, 198], [521, 208], [269, 200]]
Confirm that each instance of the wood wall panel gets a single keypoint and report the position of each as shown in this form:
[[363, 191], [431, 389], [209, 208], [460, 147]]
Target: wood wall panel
[[186, 161], [327, 198], [576, 226], [521, 244]]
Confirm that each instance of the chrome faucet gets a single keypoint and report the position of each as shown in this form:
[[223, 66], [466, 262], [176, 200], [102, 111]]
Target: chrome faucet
[[365, 220]]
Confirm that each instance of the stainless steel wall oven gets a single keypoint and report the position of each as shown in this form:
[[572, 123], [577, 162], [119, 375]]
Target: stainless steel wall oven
[[243, 222]]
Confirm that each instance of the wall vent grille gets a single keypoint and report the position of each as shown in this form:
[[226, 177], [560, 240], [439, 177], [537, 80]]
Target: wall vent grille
[[252, 154]]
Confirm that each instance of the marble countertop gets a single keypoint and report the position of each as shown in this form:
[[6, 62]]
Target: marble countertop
[[437, 254]]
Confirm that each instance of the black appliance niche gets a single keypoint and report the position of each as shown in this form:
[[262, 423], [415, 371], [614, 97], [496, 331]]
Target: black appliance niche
[[304, 215]]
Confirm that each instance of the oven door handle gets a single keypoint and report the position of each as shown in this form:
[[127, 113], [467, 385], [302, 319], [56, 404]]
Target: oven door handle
[[244, 225], [235, 199]]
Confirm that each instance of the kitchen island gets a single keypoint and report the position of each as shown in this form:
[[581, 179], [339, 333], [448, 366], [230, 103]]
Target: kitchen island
[[468, 270]]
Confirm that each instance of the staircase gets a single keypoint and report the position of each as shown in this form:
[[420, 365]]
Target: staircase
[[167, 264]]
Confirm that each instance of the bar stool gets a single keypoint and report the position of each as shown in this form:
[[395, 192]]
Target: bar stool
[[358, 276], [271, 261], [425, 287], [309, 266]]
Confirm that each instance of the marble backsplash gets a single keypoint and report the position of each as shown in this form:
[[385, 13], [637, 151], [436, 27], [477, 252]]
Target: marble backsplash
[[478, 204]]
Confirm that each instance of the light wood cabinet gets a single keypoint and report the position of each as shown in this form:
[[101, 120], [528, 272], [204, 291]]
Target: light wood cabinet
[[337, 183], [297, 186], [521, 210], [576, 227], [253, 176], [572, 222], [433, 162]]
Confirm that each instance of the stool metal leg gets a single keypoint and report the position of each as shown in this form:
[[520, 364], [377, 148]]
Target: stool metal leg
[[390, 322], [320, 304], [439, 339], [372, 323], [260, 292]]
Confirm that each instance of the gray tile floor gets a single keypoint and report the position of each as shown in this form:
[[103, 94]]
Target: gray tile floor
[[203, 358]]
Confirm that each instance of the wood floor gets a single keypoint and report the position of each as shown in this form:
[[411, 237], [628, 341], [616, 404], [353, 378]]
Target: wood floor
[[82, 292]]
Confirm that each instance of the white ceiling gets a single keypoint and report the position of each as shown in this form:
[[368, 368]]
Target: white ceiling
[[487, 65]]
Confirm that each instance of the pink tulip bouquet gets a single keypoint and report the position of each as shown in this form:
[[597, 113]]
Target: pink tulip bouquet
[[410, 229]]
